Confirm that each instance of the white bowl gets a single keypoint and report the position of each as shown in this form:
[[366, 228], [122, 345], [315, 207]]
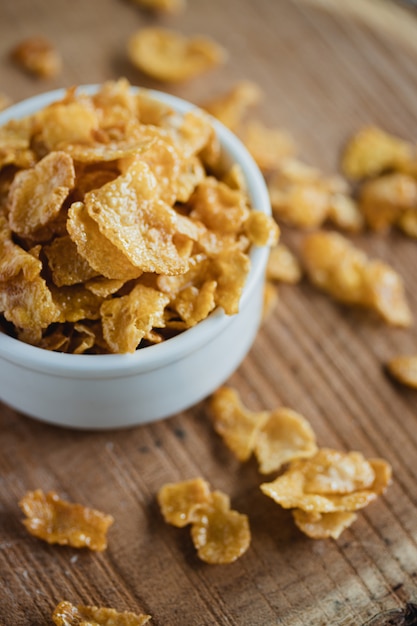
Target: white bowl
[[114, 391]]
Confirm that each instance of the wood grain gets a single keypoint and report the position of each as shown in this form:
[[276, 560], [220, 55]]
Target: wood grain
[[326, 69]]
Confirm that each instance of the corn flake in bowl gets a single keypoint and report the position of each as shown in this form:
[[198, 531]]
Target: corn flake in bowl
[[132, 259]]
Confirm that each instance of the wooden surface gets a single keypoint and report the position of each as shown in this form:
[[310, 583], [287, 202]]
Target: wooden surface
[[326, 69]]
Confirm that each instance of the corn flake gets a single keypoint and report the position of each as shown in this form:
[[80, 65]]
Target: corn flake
[[179, 502], [372, 151], [231, 108], [285, 435], [38, 56], [126, 320], [219, 534], [168, 56], [67, 614], [341, 487], [57, 521], [385, 200], [404, 370], [163, 6], [268, 146], [37, 195], [336, 266], [238, 427]]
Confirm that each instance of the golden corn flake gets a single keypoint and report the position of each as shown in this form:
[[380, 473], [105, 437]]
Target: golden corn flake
[[404, 369], [323, 525], [268, 146], [99, 252], [285, 435], [76, 303], [67, 266], [37, 195], [372, 151], [261, 230], [129, 213], [276, 437], [336, 266], [168, 56], [57, 521], [67, 122], [231, 108], [28, 304], [67, 614], [329, 482], [238, 427], [220, 535], [386, 200], [179, 502], [283, 265], [13, 258], [303, 197], [126, 320], [38, 56]]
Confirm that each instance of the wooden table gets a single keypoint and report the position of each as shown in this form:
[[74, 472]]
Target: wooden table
[[326, 68]]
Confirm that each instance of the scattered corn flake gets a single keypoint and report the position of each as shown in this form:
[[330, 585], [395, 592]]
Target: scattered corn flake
[[36, 195], [38, 56], [344, 271], [283, 265], [231, 107], [303, 197], [58, 521], [238, 427], [404, 369], [268, 146], [386, 199], [372, 151], [219, 534], [180, 501], [293, 489], [345, 213], [67, 614], [168, 56], [323, 525], [285, 435]]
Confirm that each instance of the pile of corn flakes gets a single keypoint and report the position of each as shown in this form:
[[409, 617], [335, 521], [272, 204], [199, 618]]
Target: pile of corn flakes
[[118, 225]]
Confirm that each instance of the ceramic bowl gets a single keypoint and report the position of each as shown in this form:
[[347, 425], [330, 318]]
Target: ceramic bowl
[[114, 391]]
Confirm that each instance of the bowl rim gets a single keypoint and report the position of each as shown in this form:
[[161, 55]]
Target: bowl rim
[[172, 350]]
